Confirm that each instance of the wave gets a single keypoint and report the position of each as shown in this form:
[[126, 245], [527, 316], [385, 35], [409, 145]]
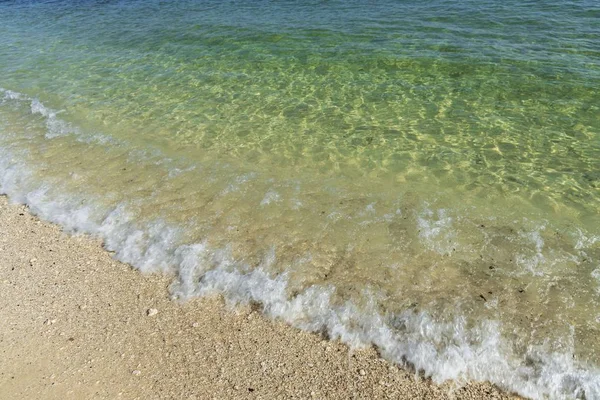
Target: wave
[[451, 350]]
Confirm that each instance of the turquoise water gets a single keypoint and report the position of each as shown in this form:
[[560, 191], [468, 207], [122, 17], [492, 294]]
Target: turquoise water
[[423, 177]]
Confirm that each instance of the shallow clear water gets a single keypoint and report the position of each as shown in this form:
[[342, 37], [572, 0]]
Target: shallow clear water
[[420, 176]]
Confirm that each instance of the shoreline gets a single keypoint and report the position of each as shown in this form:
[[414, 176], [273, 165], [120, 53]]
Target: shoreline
[[79, 324]]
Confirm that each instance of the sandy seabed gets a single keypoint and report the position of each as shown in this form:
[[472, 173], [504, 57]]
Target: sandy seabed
[[76, 324]]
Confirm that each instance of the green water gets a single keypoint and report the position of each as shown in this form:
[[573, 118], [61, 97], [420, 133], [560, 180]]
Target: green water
[[439, 159]]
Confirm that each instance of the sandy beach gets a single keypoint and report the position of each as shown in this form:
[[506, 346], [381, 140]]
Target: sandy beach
[[76, 324]]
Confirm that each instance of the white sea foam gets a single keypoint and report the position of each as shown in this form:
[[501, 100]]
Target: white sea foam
[[238, 183], [55, 127], [450, 350], [585, 241], [596, 275], [10, 95], [436, 230], [270, 197]]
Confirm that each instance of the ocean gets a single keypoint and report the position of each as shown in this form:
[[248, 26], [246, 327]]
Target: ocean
[[421, 176]]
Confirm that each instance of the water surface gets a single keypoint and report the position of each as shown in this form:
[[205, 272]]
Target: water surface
[[422, 176]]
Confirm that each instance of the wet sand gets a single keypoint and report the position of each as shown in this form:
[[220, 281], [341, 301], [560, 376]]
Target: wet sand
[[76, 324]]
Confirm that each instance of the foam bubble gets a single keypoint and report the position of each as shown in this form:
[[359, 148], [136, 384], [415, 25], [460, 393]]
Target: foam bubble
[[270, 197], [435, 230], [55, 127], [10, 95]]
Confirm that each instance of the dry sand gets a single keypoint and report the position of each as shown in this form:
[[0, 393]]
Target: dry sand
[[75, 324]]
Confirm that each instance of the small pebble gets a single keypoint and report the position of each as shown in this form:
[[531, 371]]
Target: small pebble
[[195, 325], [151, 312], [136, 372], [362, 372]]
